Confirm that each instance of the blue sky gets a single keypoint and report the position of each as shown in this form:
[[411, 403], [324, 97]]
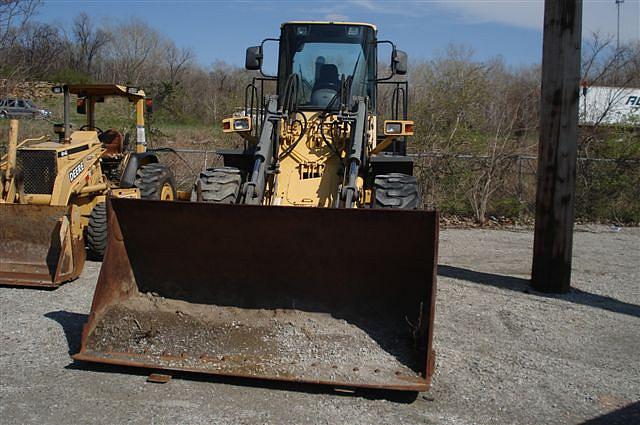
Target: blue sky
[[222, 30]]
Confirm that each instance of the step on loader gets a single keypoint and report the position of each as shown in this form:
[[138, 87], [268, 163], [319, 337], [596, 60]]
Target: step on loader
[[307, 257], [53, 192]]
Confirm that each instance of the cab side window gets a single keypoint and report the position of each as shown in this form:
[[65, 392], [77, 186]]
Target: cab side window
[[12, 103], [21, 104]]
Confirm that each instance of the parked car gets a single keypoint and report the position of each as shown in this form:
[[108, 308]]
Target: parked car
[[16, 108]]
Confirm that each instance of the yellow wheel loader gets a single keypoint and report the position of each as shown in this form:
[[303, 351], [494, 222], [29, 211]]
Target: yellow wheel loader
[[307, 257], [54, 191]]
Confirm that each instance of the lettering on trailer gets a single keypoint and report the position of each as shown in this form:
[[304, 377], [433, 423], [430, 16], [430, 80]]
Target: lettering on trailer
[[73, 174], [633, 101]]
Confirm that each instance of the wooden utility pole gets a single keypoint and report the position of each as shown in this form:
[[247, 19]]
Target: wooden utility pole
[[557, 150]]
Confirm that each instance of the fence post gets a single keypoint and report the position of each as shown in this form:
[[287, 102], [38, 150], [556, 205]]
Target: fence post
[[520, 188]]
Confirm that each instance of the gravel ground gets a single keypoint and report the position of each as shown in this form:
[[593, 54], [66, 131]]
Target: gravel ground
[[504, 353]]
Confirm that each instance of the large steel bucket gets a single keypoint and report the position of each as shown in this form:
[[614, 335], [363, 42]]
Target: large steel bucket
[[37, 247], [327, 296]]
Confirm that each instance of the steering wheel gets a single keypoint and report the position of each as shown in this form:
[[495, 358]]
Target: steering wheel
[[98, 129]]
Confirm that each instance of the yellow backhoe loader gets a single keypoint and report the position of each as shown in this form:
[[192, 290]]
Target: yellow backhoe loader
[[307, 257], [53, 191]]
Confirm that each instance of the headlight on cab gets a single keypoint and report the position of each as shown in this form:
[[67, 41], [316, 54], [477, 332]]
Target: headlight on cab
[[398, 128], [236, 125], [392, 128]]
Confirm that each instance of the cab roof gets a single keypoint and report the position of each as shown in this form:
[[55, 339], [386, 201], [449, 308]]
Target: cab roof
[[84, 90], [361, 24]]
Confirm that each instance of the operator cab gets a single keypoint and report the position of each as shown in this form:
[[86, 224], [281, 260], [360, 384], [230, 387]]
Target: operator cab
[[325, 60]]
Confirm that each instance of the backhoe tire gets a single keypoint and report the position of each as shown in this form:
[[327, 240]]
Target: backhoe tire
[[156, 181], [218, 185], [96, 239], [396, 190]]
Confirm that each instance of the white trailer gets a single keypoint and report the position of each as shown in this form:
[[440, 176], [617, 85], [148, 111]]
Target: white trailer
[[601, 105]]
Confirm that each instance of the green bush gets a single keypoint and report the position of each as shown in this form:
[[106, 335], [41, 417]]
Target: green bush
[[508, 207]]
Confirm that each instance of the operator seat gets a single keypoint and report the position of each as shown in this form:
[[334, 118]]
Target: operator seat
[[327, 78], [326, 85], [112, 141]]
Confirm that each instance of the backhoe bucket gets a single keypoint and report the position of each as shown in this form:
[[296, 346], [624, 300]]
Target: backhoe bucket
[[37, 245], [325, 296]]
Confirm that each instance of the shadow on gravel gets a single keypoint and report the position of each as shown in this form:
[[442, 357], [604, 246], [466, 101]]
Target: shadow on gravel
[[576, 296], [72, 325], [626, 415]]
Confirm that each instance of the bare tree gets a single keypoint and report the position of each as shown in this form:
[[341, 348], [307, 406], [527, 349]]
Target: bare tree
[[38, 47], [604, 64], [14, 16], [133, 45], [176, 60], [500, 149], [35, 52], [88, 42]]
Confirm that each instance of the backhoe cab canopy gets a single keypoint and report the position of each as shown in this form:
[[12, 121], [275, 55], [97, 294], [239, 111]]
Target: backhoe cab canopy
[[323, 57], [90, 94], [105, 90]]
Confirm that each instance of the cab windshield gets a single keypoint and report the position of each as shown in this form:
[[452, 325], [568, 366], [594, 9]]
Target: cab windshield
[[322, 56]]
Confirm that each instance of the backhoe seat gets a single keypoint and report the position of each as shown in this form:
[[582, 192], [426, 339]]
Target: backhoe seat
[[112, 141]]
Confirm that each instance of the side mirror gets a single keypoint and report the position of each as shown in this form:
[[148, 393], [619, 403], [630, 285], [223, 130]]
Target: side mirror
[[81, 106], [399, 62], [253, 60]]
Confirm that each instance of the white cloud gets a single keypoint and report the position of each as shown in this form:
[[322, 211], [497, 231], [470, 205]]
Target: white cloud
[[336, 17], [598, 15], [370, 5], [516, 13], [390, 7]]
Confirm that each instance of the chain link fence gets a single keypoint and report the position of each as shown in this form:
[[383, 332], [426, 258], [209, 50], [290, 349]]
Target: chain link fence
[[607, 189]]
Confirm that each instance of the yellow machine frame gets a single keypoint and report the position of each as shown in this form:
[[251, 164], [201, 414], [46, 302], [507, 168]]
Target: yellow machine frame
[[58, 181]]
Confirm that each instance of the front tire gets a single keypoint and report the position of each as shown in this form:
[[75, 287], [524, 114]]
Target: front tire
[[218, 185], [96, 240], [156, 181], [396, 190]]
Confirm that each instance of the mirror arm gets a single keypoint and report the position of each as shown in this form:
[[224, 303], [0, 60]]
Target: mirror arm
[[393, 49], [262, 56]]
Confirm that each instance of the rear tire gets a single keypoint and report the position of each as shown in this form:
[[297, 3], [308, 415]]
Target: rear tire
[[156, 181], [97, 231], [218, 185], [396, 190]]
